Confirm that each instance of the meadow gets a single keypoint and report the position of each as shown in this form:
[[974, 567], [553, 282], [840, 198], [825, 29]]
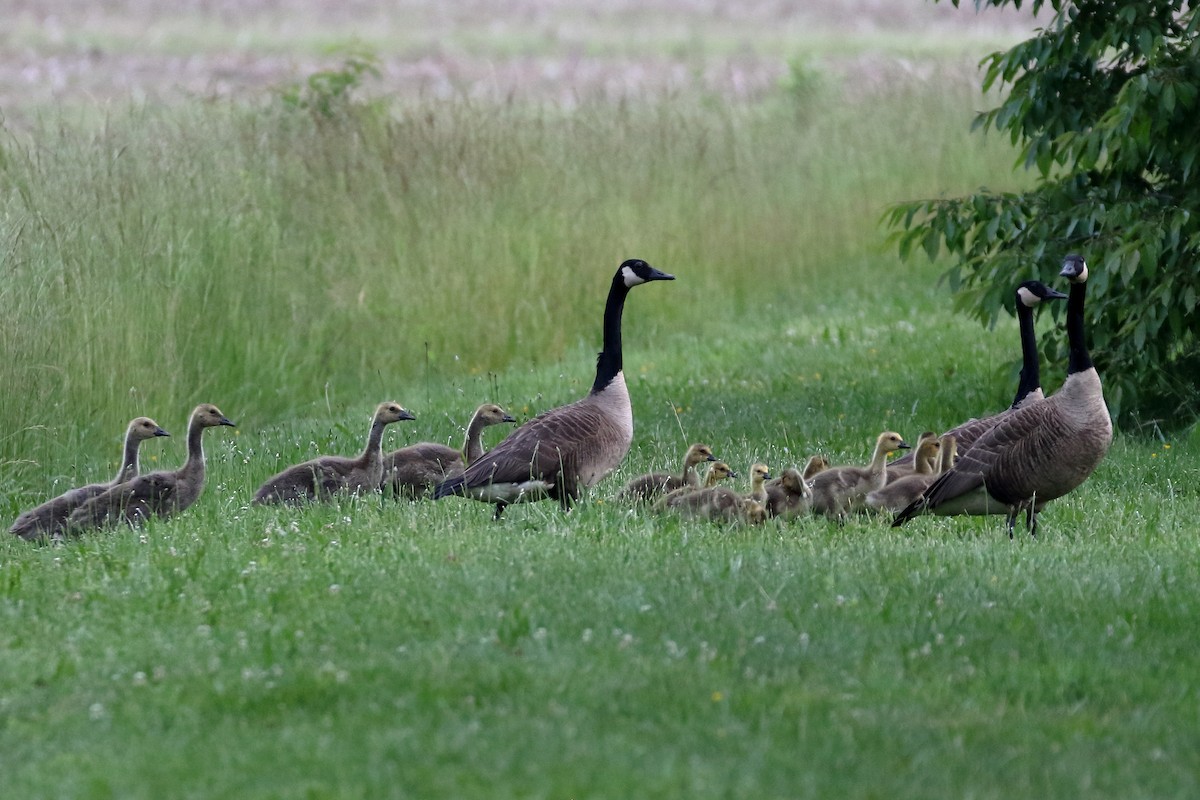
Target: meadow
[[296, 268]]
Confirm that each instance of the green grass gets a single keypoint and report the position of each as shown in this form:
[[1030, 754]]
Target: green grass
[[293, 272]]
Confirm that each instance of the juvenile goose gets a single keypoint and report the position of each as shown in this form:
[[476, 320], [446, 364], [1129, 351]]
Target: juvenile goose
[[814, 465], [718, 471], [1040, 451], [654, 484], [759, 474], [160, 493], [902, 491], [321, 478], [414, 470], [788, 495], [839, 491], [920, 460], [569, 448], [924, 462], [717, 503], [50, 518]]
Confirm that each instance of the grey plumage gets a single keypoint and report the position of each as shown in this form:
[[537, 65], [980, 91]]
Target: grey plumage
[[156, 494], [788, 495], [49, 520], [1040, 451], [838, 491], [414, 470], [645, 488], [321, 478], [898, 494]]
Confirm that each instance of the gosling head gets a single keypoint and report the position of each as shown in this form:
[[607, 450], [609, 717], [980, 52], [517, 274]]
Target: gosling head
[[1074, 268], [720, 471], [815, 464], [1030, 293], [635, 272], [698, 454], [206, 415], [492, 414], [891, 441], [928, 449], [389, 412], [949, 452], [793, 481], [759, 473], [145, 428]]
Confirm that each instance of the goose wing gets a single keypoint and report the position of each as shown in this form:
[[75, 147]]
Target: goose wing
[[568, 446]]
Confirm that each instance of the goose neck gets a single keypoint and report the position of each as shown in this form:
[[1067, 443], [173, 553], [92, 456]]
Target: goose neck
[[1031, 379], [129, 459], [473, 444], [879, 459], [374, 449], [1079, 360], [195, 448], [608, 363]]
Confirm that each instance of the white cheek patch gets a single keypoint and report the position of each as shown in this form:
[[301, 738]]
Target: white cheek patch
[[1083, 274], [1027, 298], [630, 277]]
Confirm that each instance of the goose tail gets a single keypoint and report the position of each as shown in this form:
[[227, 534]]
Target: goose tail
[[450, 486]]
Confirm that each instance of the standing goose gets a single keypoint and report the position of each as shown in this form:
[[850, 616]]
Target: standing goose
[[321, 478], [899, 493], [50, 518], [1029, 294], [789, 495], [161, 493], [414, 470], [654, 484], [1040, 451], [569, 448], [839, 491]]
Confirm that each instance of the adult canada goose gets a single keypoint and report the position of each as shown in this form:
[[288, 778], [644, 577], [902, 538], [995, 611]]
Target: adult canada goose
[[899, 493], [838, 491], [321, 478], [1029, 294], [1040, 451], [50, 518], [654, 484], [160, 493], [789, 495], [414, 470], [569, 448]]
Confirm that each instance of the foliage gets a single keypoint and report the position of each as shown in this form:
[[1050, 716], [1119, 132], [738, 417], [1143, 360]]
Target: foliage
[[1103, 103], [327, 93]]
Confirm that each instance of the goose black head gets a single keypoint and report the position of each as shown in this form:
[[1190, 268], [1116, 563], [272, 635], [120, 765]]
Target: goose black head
[[1030, 293], [635, 271], [1074, 268]]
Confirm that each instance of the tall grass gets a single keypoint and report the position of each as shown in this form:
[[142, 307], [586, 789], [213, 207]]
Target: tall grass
[[267, 259]]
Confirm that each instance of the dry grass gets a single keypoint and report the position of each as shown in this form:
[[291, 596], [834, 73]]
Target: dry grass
[[78, 53]]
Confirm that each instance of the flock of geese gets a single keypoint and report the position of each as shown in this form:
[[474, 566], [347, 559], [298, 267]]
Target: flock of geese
[[1013, 462]]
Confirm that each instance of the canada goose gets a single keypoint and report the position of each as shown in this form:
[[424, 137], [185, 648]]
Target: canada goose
[[160, 493], [718, 504], [569, 448], [321, 478], [788, 495], [1029, 386], [759, 474], [814, 465], [838, 491], [717, 471], [414, 470], [50, 518], [1040, 451], [904, 490], [653, 484], [924, 461]]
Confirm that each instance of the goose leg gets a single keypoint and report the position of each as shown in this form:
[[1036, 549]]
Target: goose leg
[[499, 510], [1011, 519], [1031, 518]]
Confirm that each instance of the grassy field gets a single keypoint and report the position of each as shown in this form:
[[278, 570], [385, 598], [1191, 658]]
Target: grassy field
[[296, 269]]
